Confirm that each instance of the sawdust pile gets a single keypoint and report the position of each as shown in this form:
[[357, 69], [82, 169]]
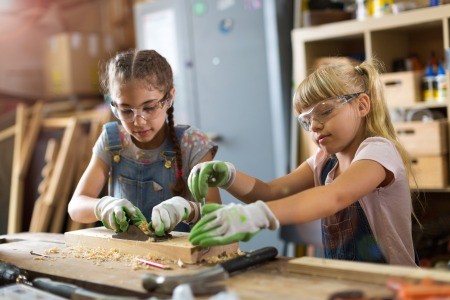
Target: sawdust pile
[[222, 257], [100, 255]]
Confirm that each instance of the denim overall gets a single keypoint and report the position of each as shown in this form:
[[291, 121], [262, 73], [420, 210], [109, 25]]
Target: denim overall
[[347, 235], [143, 184]]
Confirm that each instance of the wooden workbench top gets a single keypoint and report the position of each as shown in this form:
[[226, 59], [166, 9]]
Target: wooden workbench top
[[270, 281]]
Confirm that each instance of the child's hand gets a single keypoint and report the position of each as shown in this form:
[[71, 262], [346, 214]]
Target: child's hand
[[211, 173], [221, 225], [116, 213], [167, 214]]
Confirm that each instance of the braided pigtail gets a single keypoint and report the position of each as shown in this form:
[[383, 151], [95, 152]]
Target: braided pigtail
[[180, 188]]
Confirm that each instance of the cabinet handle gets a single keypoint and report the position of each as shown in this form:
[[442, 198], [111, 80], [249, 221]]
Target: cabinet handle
[[215, 137], [406, 131]]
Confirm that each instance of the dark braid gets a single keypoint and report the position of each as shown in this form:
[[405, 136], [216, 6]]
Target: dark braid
[[180, 188]]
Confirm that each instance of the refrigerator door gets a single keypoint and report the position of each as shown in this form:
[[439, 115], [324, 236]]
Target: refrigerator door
[[163, 25], [232, 80]]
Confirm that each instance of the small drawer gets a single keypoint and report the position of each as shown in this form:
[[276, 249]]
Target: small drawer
[[402, 88], [423, 138], [429, 172]]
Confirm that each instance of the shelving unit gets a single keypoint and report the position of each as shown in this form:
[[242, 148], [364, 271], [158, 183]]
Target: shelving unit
[[387, 38]]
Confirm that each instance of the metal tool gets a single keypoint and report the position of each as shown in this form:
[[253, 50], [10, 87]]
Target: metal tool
[[70, 291], [134, 233], [203, 283], [38, 254], [12, 275]]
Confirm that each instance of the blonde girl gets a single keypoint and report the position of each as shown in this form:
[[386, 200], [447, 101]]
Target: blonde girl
[[356, 183]]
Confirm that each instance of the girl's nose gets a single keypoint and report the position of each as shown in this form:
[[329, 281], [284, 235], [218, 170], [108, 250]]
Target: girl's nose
[[139, 120], [315, 125]]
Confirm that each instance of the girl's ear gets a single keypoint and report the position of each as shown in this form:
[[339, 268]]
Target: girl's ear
[[363, 104], [172, 95]]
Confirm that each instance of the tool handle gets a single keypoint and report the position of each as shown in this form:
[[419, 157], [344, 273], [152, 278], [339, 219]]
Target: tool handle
[[250, 259], [58, 288]]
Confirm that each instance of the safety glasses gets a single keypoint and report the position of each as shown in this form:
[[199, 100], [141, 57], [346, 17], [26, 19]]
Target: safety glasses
[[324, 110], [147, 111]]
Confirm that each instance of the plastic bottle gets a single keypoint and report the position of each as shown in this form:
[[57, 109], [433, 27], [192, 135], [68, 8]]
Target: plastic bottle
[[427, 84], [440, 86], [361, 10]]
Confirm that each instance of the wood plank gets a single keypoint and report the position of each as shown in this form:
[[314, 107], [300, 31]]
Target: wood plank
[[270, 280], [176, 248], [29, 141], [7, 133], [363, 272], [61, 165], [16, 191], [50, 158]]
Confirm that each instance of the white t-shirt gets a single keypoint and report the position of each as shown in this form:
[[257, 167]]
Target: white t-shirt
[[388, 209]]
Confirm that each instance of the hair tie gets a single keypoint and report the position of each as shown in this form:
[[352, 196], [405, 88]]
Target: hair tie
[[359, 70], [179, 173]]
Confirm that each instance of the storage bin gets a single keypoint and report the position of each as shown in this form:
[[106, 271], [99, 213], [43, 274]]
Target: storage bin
[[402, 88], [423, 138], [430, 172]]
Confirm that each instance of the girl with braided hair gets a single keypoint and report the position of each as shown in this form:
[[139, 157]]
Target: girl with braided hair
[[146, 158]]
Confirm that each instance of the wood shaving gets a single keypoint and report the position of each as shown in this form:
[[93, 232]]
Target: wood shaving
[[52, 251], [144, 227], [180, 263], [221, 257], [39, 258], [99, 254]]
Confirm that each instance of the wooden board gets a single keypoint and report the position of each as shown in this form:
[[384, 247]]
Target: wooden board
[[176, 248], [363, 272], [118, 277]]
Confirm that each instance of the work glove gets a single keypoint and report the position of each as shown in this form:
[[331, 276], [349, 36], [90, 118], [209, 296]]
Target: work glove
[[226, 224], [167, 214], [116, 213], [211, 173]]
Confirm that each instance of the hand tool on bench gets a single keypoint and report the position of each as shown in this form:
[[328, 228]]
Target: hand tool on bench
[[71, 291], [134, 233], [203, 283], [11, 274]]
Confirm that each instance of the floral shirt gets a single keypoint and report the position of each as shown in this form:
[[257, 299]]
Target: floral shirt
[[194, 146]]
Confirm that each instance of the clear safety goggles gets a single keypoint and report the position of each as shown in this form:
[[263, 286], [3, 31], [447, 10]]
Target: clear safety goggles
[[324, 110], [147, 111]]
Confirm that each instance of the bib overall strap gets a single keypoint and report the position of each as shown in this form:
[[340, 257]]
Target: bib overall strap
[[113, 133], [329, 165], [179, 130], [114, 146]]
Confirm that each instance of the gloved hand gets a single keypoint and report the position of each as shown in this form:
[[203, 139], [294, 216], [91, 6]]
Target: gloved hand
[[221, 225], [211, 173], [116, 213], [167, 214]]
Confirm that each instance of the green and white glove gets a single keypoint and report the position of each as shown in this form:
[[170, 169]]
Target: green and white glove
[[211, 173], [116, 213], [167, 214], [226, 224]]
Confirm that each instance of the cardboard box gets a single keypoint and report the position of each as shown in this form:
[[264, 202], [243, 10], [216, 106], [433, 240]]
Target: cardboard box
[[402, 88], [72, 61], [423, 138], [430, 172]]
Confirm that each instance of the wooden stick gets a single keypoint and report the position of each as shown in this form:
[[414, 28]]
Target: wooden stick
[[58, 175], [50, 158], [65, 185], [359, 271], [33, 128], [7, 133], [16, 191]]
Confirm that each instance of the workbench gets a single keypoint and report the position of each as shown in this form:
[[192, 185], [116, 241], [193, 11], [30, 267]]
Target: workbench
[[270, 280]]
